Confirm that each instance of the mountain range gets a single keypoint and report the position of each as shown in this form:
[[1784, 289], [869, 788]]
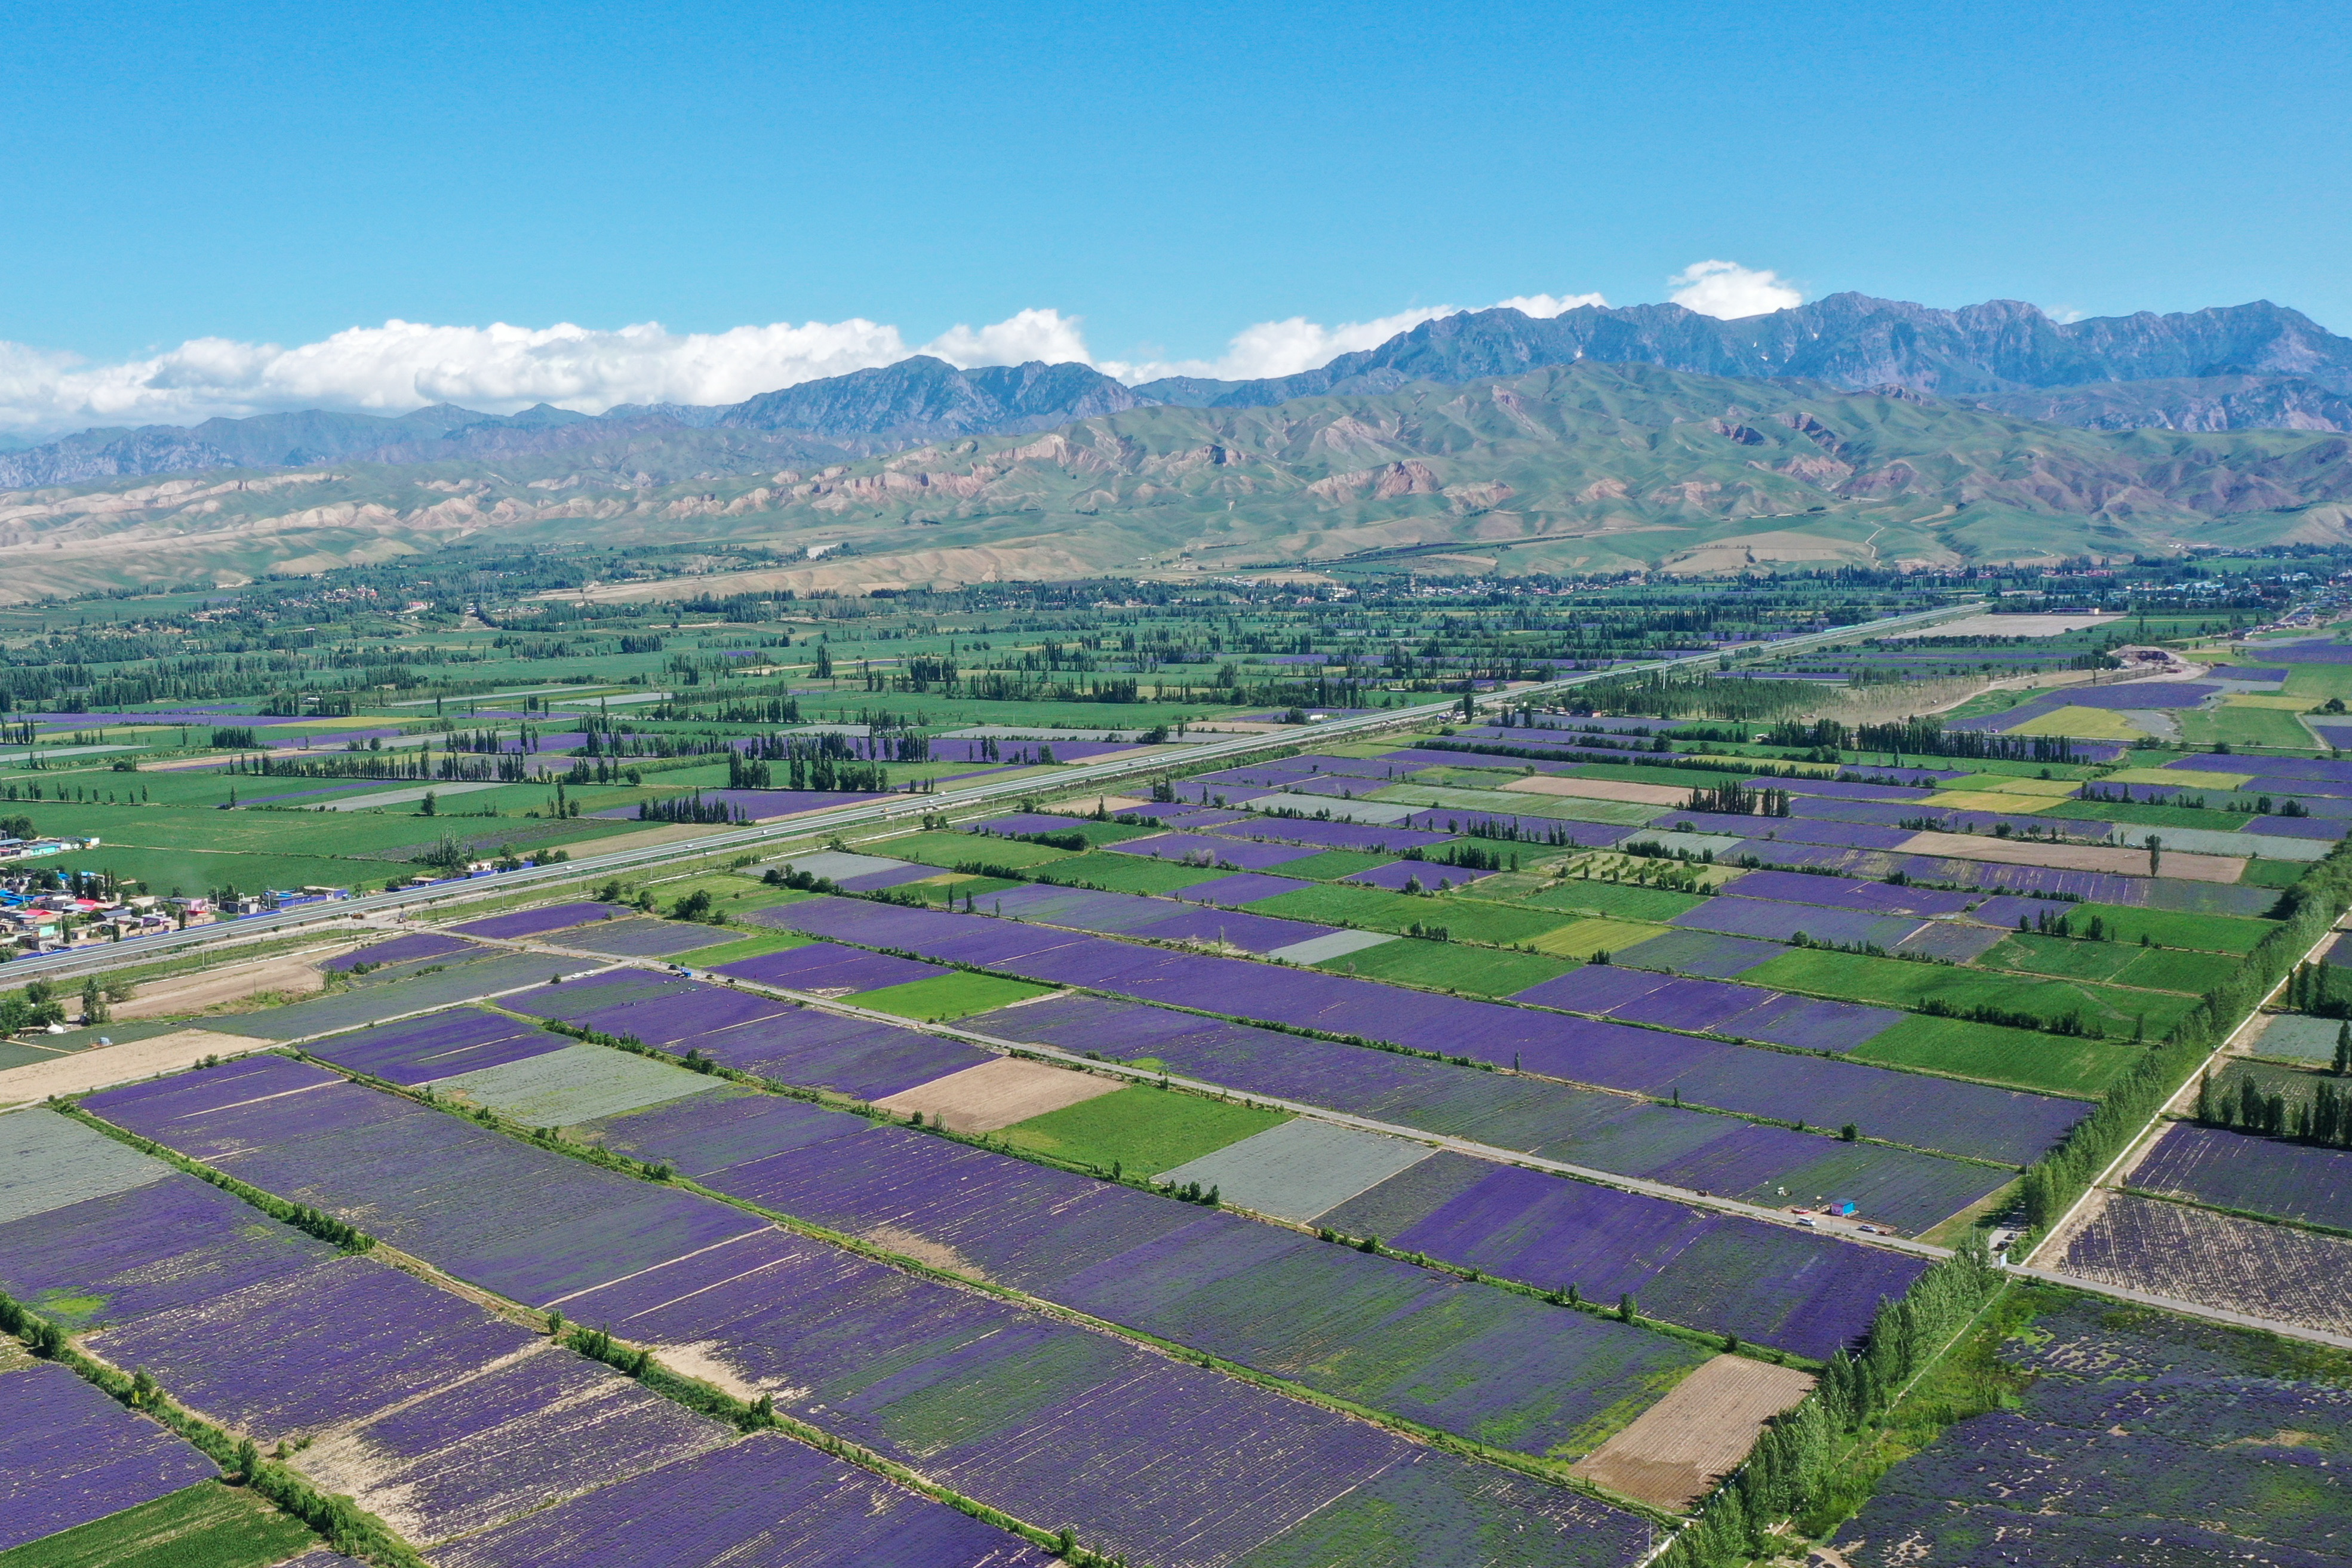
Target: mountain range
[[2256, 366], [1577, 468]]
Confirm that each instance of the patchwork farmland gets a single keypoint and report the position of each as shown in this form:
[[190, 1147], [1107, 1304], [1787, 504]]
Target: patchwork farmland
[[1547, 1135]]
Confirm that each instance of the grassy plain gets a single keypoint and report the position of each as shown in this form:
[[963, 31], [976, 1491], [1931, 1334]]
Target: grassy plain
[[946, 996], [1450, 966], [1144, 1129], [2019, 1058], [1889, 982]]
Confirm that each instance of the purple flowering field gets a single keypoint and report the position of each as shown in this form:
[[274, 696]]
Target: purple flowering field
[[1707, 954], [1963, 1119], [706, 1507], [1735, 916], [533, 922], [414, 947], [642, 938], [2262, 1176], [1606, 1132], [70, 1455], [700, 1009], [434, 1184], [1241, 888], [1371, 835], [1159, 1461], [1871, 898], [1252, 1293], [1807, 1293], [1256, 933], [148, 1249], [575, 998], [2139, 1438], [438, 1047], [728, 1127], [2274, 1271], [830, 968], [503, 1442], [1083, 908], [1811, 1023], [1746, 1012], [854, 1057], [1202, 847], [291, 1356]]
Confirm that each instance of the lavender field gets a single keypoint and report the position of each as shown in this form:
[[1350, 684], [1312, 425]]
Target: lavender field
[[69, 1455], [2270, 1272], [2140, 1439], [763, 1502], [428, 1182], [1501, 1368], [2263, 1175], [1937, 1113], [1907, 1189]]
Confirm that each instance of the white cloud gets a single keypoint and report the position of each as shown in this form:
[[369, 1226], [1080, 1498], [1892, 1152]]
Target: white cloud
[[1728, 290], [1045, 335], [1549, 305], [497, 369], [1287, 347]]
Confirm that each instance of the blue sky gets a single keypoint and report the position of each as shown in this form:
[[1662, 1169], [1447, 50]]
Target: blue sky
[[1161, 177]]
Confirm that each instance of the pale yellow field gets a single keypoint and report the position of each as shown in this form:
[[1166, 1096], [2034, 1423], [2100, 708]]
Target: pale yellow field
[[2178, 778], [1987, 800], [2082, 723], [1587, 936]]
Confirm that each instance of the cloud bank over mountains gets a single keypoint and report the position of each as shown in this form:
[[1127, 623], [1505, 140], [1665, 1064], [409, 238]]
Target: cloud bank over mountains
[[402, 365]]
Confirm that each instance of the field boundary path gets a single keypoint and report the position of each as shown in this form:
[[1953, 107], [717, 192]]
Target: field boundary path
[[888, 808]]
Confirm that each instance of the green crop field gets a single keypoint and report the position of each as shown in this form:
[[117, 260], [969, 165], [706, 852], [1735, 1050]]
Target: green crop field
[[1332, 865], [2169, 928], [950, 850], [747, 947], [2244, 727], [1889, 982], [947, 996], [208, 1525], [1450, 966], [2278, 874], [2138, 815], [1141, 1128], [1120, 873], [2059, 958], [1583, 938], [2019, 1058], [1588, 896], [1373, 909]]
